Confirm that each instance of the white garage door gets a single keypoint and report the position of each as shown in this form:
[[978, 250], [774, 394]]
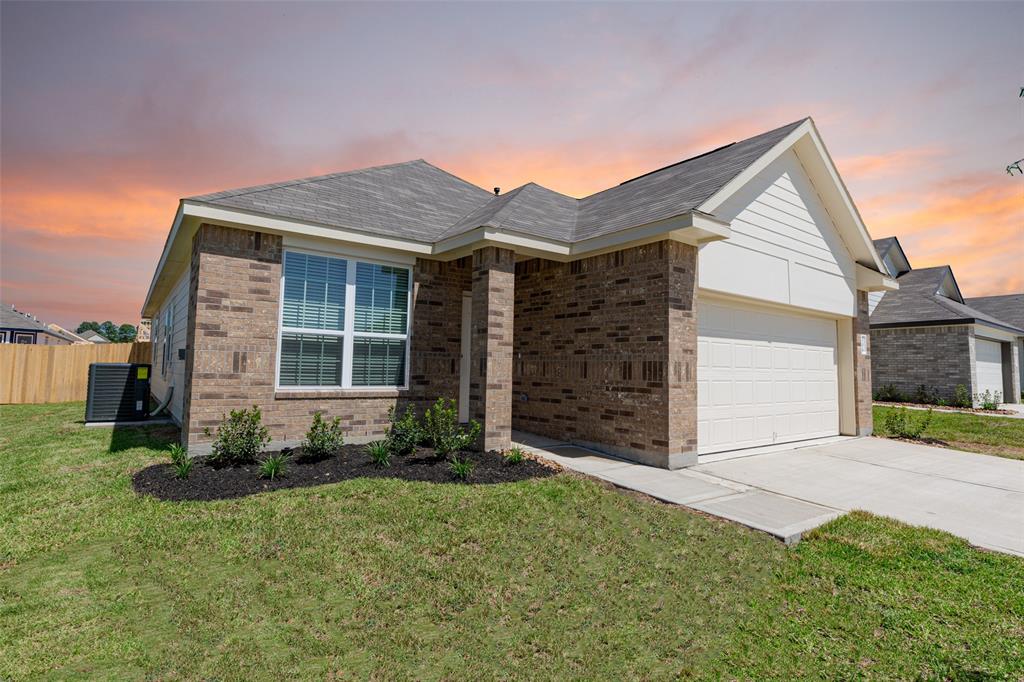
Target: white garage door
[[989, 358], [763, 377]]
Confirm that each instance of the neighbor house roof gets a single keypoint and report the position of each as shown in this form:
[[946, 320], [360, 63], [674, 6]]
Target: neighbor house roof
[[1008, 307], [416, 200], [918, 302], [12, 318]]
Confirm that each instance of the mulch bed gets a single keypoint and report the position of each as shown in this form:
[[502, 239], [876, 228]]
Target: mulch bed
[[220, 483], [943, 408]]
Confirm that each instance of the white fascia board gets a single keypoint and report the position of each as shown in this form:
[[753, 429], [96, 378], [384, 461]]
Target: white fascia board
[[869, 280], [994, 333], [851, 218]]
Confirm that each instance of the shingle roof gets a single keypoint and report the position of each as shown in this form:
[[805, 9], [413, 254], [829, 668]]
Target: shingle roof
[[918, 301], [883, 245], [1008, 307], [418, 201], [15, 319]]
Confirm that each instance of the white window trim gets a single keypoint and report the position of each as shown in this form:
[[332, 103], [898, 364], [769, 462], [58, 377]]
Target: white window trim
[[348, 334]]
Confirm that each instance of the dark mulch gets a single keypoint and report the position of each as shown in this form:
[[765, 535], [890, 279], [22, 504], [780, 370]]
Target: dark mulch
[[210, 483]]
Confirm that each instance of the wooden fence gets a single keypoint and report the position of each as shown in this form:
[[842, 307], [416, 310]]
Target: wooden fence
[[57, 374]]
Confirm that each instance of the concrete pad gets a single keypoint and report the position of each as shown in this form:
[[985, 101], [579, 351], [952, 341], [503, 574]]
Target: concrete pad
[[583, 460], [156, 421], [783, 517], [669, 486], [977, 497]]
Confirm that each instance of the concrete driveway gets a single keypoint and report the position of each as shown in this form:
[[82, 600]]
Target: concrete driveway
[[978, 497]]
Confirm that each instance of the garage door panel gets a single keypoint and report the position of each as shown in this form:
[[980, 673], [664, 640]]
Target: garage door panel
[[989, 366], [764, 377]]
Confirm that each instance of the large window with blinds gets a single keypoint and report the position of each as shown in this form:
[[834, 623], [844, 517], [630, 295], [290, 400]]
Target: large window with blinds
[[344, 323]]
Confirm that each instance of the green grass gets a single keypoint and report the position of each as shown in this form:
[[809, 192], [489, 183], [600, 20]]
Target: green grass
[[560, 578], [1000, 436]]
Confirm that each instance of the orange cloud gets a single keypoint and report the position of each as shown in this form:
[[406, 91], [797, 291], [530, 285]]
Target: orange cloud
[[888, 163]]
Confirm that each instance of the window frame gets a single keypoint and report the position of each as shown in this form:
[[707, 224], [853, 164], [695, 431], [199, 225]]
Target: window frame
[[348, 334]]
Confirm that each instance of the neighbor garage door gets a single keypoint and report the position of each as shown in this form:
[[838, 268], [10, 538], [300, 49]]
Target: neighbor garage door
[[989, 359], [763, 377]]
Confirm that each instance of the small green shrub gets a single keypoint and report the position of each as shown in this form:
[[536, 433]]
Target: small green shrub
[[183, 467], [380, 452], [441, 424], [961, 398], [240, 437], [514, 455], [901, 424], [889, 394], [405, 432], [273, 466], [925, 396], [461, 468], [177, 453], [323, 439], [988, 400]]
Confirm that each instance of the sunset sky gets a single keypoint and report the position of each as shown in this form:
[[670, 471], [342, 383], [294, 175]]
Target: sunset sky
[[109, 113]]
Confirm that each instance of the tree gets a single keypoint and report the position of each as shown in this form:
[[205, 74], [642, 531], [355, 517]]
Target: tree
[[88, 326], [124, 333]]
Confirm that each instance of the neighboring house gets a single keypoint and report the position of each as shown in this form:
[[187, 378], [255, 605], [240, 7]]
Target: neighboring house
[[1010, 308], [93, 336], [926, 334], [19, 327], [70, 336], [715, 304]]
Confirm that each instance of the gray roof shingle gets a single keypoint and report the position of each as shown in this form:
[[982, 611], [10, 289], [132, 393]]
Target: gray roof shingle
[[918, 301], [1008, 307], [418, 201], [15, 319]]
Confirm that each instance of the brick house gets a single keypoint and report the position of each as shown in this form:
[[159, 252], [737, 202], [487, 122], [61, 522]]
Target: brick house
[[716, 304], [926, 334]]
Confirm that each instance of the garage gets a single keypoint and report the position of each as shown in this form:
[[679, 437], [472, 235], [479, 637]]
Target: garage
[[764, 376], [989, 360]]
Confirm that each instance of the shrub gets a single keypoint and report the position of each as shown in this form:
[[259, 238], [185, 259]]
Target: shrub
[[380, 452], [323, 439], [514, 455], [925, 396], [240, 437], [177, 453], [273, 466], [183, 467], [405, 432], [442, 428], [988, 400], [889, 394], [902, 424], [461, 468], [961, 398]]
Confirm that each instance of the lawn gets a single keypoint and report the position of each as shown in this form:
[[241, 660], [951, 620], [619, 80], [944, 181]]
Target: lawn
[[385, 579], [1001, 436]]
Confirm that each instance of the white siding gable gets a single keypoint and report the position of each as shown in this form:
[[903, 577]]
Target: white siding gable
[[784, 246]]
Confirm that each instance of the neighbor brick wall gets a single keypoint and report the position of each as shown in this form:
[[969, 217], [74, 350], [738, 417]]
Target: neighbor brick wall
[[862, 368], [232, 350], [605, 352], [937, 357]]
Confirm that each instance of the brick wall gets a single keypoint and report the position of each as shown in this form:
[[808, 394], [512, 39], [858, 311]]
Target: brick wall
[[605, 352], [232, 349], [862, 368], [490, 377], [937, 357]]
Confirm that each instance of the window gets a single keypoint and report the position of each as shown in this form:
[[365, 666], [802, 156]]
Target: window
[[168, 325], [344, 323]]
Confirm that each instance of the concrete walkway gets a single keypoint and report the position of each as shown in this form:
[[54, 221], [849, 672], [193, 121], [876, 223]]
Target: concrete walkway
[[782, 516], [786, 493]]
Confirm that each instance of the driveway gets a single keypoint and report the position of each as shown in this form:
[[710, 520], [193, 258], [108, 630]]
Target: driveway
[[978, 497]]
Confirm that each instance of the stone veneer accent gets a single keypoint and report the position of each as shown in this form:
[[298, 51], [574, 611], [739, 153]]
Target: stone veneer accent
[[490, 376], [862, 368], [234, 299], [605, 352], [937, 357]]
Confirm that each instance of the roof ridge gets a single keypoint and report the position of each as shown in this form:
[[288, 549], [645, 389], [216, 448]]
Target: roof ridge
[[449, 173], [256, 189]]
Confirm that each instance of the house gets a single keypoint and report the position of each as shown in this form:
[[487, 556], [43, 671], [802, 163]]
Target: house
[[926, 333], [93, 336], [69, 335], [715, 304], [1010, 308], [20, 327]]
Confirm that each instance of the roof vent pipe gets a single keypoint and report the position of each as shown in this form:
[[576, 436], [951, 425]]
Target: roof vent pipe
[[497, 191]]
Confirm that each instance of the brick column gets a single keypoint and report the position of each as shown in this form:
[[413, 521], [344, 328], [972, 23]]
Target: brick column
[[1011, 371], [681, 315], [862, 367], [490, 376]]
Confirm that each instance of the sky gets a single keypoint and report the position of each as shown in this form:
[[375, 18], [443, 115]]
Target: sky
[[112, 112]]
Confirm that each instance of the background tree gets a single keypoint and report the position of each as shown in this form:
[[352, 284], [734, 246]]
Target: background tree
[[124, 333], [88, 326]]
